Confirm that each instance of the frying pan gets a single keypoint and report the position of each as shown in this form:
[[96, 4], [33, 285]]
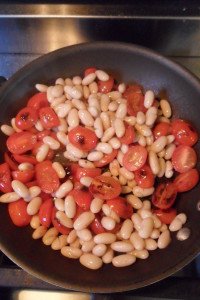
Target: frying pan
[[129, 63]]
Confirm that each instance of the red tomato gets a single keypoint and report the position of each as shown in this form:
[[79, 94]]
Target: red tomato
[[184, 133], [105, 86], [25, 158], [144, 177], [31, 183], [42, 134], [96, 226], [21, 142], [48, 118], [5, 178], [38, 101], [26, 118], [135, 158], [82, 198], [79, 211], [62, 229], [129, 136], [186, 181], [50, 154], [105, 187], [12, 165], [18, 213], [106, 159], [121, 207], [23, 176], [45, 212], [89, 70], [47, 177], [91, 172], [162, 129], [164, 195], [184, 158], [166, 216], [135, 100], [83, 138]]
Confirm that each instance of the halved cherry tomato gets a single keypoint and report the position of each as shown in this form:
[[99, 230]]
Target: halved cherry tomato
[[184, 158], [166, 216], [21, 142], [25, 158], [184, 133], [18, 213], [12, 165], [144, 177], [105, 86], [82, 198], [62, 229], [48, 118], [89, 70], [83, 138], [91, 172], [106, 159], [162, 129], [105, 187], [135, 158], [36, 147], [5, 178], [26, 118], [47, 177], [135, 100], [164, 195], [186, 181], [129, 135], [42, 134], [38, 101], [45, 212], [96, 226], [121, 207], [31, 183], [23, 176], [79, 211]]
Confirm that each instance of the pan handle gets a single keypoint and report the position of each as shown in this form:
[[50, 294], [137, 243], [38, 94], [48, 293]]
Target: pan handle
[[2, 80]]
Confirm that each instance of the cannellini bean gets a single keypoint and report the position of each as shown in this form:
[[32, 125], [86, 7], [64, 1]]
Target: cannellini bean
[[108, 223], [78, 104], [114, 167], [84, 163], [161, 154], [122, 246], [88, 246], [164, 239], [137, 221], [57, 91], [166, 108], [25, 166], [7, 130], [41, 87], [76, 243], [73, 92], [98, 125], [170, 138], [113, 106], [116, 96], [146, 204], [85, 117], [134, 201], [131, 183], [159, 144], [14, 125], [59, 204], [96, 205], [127, 174], [64, 189], [95, 156], [84, 220], [104, 147], [55, 104], [62, 137], [105, 238], [156, 221], [154, 162], [50, 236], [63, 109], [142, 141], [35, 222], [146, 228], [151, 116], [63, 219], [71, 237], [120, 157], [59, 169], [101, 75], [149, 140], [51, 142], [124, 148], [163, 228], [123, 260], [60, 81], [143, 130], [105, 120], [91, 261], [59, 242], [70, 156], [86, 181], [68, 81], [84, 234], [126, 189], [70, 206], [155, 234], [121, 111], [142, 254], [76, 80], [50, 97], [137, 241], [121, 88], [144, 213], [131, 120], [140, 192], [175, 225], [126, 229], [104, 102], [71, 252], [182, 217], [34, 191], [93, 101], [74, 151], [73, 118], [108, 256], [122, 180], [42, 152], [86, 91], [115, 143], [119, 127], [140, 119], [88, 79], [39, 232], [168, 169], [99, 250], [34, 205], [20, 189], [150, 244], [108, 134], [162, 167], [149, 98], [93, 88], [183, 234]]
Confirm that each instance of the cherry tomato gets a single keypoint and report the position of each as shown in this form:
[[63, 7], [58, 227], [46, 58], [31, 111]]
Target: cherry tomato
[[105, 86], [47, 177], [48, 118], [38, 101], [144, 177], [25, 158], [89, 70], [184, 133], [82, 198], [26, 118], [32, 183], [164, 195], [45, 212], [42, 134], [105, 187], [12, 165], [135, 100], [121, 207], [96, 226], [106, 159], [184, 158], [135, 158], [186, 181], [5, 178], [166, 216], [35, 150], [21, 142], [18, 213], [129, 135], [61, 228], [23, 176], [79, 211], [162, 129], [83, 138], [90, 172]]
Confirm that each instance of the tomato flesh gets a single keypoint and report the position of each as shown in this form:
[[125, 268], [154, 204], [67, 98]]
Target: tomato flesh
[[121, 207], [186, 181], [18, 213], [25, 158], [38, 101], [45, 212], [184, 133], [164, 195], [12, 165], [89, 70], [83, 138], [135, 100], [48, 118], [90, 172], [21, 142], [61, 228], [36, 147], [129, 135], [23, 176], [162, 129], [166, 216], [144, 177], [135, 158], [5, 178], [106, 159], [82, 198], [105, 187], [96, 226], [47, 177], [26, 118], [184, 158], [105, 86]]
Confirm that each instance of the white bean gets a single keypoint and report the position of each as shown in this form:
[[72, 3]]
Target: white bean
[[91, 261], [183, 234], [84, 220], [73, 118], [9, 197], [71, 252], [164, 239], [114, 167], [121, 111], [182, 217], [146, 228], [144, 213], [151, 116], [76, 80], [124, 148], [126, 229], [115, 143], [116, 96], [98, 125], [157, 222], [68, 81], [25, 166], [108, 256], [86, 180], [7, 130], [170, 138], [175, 225], [78, 104], [154, 162], [143, 130], [41, 87], [71, 237], [35, 222], [55, 104], [105, 238], [104, 147], [108, 134], [70, 206], [88, 79], [70, 156], [73, 92], [119, 127], [127, 174], [134, 201], [63, 109], [168, 169], [104, 102], [101, 75], [20, 189], [64, 189], [84, 234], [166, 108], [95, 156], [159, 144], [59, 242], [88, 246], [123, 260], [50, 236], [155, 234], [105, 120], [93, 88], [57, 91], [137, 221], [131, 120], [108, 223], [120, 157], [121, 88], [51, 142], [142, 254], [99, 250], [39, 232], [34, 205], [140, 119], [59, 204], [74, 151], [122, 246], [86, 117], [60, 81], [149, 140], [59, 169], [42, 152], [162, 167], [140, 192], [142, 141], [34, 191], [149, 98], [62, 137], [63, 219], [150, 244], [113, 106], [146, 204], [137, 241], [96, 205]]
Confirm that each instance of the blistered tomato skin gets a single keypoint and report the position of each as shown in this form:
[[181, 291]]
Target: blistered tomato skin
[[164, 195], [26, 118], [5, 178], [186, 181], [166, 216], [184, 158], [106, 159], [121, 207], [144, 177], [184, 133], [21, 142], [105, 187], [135, 100], [135, 158], [45, 212], [83, 138], [38, 101], [18, 213], [47, 177]]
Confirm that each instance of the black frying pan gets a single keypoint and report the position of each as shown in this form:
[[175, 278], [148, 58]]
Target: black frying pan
[[128, 63]]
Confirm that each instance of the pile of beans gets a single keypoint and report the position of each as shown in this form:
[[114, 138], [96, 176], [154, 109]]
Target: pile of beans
[[95, 103]]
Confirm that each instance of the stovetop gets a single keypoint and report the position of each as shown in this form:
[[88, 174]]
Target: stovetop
[[29, 31]]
